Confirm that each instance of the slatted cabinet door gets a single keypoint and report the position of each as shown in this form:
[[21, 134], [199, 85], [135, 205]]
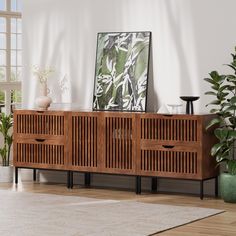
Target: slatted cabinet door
[[119, 136], [40, 139], [84, 141], [170, 146]]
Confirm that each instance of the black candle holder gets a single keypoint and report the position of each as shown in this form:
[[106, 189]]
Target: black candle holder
[[189, 104]]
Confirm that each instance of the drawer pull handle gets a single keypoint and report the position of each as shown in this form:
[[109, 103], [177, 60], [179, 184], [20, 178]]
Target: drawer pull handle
[[40, 140], [167, 115], [167, 146]]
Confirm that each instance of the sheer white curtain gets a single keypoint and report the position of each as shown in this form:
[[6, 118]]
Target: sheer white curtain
[[189, 39]]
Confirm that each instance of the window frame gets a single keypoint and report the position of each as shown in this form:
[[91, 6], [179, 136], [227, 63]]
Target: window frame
[[7, 86]]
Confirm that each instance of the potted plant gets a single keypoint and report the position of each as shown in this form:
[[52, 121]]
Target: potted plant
[[6, 123], [223, 89]]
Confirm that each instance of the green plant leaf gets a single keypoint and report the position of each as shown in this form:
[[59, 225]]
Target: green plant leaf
[[231, 66], [231, 166], [231, 78], [214, 110], [210, 81], [231, 88], [221, 134], [232, 120], [220, 158], [233, 100], [210, 93], [213, 122], [216, 148], [232, 134], [215, 102], [6, 122], [231, 108], [222, 88], [215, 76], [225, 104], [215, 87]]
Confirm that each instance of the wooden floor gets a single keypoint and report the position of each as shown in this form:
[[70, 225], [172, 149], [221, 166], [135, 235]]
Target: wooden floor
[[222, 224]]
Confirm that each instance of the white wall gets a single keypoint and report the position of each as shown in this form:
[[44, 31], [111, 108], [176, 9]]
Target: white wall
[[190, 38]]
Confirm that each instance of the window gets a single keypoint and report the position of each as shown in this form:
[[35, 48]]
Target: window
[[10, 54]]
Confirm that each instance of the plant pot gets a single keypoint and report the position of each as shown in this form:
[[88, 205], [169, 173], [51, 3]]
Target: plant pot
[[228, 187], [6, 174]]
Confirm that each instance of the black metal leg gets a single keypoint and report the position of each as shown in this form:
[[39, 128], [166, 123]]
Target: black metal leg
[[201, 189], [68, 179], [154, 184], [34, 174], [16, 175], [71, 179], [216, 186], [87, 179], [138, 184]]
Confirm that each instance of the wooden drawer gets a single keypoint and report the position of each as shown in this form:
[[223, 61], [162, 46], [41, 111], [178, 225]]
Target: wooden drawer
[[39, 124], [48, 154], [171, 161], [169, 128]]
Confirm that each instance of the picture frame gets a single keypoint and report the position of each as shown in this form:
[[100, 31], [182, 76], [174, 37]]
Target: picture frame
[[121, 71]]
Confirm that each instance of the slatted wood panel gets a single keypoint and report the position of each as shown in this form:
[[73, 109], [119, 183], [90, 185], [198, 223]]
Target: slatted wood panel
[[84, 141], [118, 143], [40, 124], [46, 154], [177, 162], [169, 129]]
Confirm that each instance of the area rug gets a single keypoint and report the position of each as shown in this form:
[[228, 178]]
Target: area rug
[[34, 214]]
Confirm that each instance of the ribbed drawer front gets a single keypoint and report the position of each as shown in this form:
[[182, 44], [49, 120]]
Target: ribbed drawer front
[[84, 141], [32, 153], [118, 143], [40, 124], [169, 129], [177, 162]]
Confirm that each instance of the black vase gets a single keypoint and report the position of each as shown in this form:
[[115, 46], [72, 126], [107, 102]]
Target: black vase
[[189, 104]]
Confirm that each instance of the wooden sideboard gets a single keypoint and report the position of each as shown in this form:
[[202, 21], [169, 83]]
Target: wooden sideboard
[[137, 144]]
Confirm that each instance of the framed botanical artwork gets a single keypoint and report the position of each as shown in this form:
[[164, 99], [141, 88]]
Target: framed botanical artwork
[[121, 74]]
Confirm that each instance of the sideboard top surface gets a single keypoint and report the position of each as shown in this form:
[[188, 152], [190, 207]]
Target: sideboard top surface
[[24, 110]]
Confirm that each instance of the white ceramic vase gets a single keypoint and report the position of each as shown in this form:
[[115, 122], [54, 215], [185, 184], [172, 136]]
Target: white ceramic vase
[[43, 101]]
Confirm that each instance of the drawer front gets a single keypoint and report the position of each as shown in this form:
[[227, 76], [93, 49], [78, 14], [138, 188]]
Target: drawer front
[[39, 124], [168, 128], [46, 154], [173, 162]]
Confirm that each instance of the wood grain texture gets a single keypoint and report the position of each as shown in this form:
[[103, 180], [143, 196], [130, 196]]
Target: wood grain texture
[[83, 141], [146, 144], [175, 146], [40, 139]]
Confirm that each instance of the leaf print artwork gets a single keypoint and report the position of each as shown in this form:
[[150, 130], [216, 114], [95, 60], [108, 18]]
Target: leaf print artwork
[[121, 73]]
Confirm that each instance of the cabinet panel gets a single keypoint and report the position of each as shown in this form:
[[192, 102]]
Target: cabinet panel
[[119, 147], [118, 139], [84, 141]]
